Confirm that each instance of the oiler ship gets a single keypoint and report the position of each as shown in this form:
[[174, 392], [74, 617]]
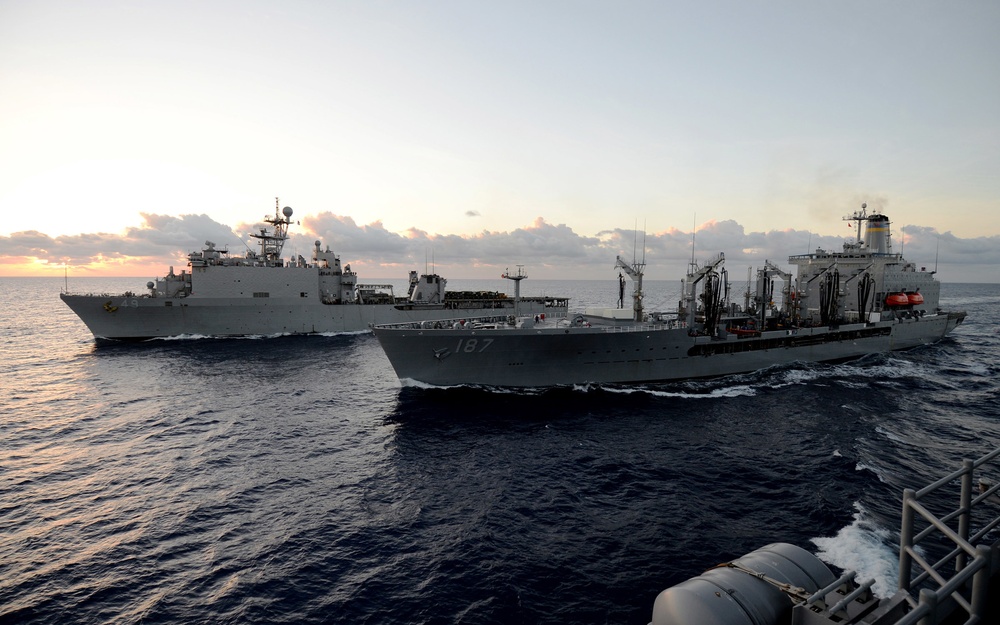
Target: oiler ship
[[262, 294], [839, 306]]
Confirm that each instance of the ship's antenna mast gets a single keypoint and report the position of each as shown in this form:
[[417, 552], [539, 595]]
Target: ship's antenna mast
[[271, 243], [517, 277], [937, 245], [635, 271], [694, 229], [859, 217], [643, 242], [746, 296], [635, 238]]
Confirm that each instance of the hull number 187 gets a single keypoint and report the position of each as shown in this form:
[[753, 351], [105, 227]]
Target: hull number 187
[[472, 345]]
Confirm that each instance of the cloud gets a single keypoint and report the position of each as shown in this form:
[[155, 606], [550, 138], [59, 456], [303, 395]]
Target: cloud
[[185, 232], [540, 243], [472, 213], [343, 235], [547, 250], [161, 238]]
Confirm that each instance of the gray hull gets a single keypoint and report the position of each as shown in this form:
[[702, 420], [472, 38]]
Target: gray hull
[[631, 354], [138, 318]]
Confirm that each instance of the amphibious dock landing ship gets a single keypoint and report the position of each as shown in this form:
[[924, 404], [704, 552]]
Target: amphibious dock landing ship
[[261, 293]]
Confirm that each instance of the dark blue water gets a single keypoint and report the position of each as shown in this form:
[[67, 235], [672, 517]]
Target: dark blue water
[[292, 480]]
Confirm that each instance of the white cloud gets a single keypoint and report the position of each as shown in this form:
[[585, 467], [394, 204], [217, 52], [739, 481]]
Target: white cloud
[[551, 251]]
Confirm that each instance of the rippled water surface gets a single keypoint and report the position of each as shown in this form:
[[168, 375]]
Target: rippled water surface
[[291, 479]]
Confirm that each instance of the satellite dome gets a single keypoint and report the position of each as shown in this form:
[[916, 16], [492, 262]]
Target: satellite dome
[[150, 284], [287, 211]]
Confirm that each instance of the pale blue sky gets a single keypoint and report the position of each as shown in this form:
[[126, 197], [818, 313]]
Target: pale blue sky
[[460, 117]]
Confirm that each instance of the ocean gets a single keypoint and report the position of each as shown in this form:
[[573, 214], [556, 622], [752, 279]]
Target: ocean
[[293, 480]]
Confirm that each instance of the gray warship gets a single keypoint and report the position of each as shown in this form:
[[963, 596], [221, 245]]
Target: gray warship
[[262, 294], [839, 306]]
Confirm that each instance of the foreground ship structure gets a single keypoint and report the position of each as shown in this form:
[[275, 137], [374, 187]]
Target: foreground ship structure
[[949, 570], [261, 293], [839, 305]]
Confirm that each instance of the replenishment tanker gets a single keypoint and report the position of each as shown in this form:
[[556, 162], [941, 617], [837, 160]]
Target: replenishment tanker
[[261, 293], [840, 305]]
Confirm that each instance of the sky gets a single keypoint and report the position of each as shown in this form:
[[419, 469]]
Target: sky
[[483, 135]]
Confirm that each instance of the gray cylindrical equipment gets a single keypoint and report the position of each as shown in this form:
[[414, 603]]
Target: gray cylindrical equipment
[[727, 596]]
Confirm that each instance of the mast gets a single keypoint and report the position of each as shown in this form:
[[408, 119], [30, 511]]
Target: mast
[[858, 217], [271, 242], [693, 266], [517, 277], [634, 271]]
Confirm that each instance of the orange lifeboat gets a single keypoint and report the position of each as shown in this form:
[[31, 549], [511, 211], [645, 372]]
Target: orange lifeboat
[[915, 298], [897, 299]]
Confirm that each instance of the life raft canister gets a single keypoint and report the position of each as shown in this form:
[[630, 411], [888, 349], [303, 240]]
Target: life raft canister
[[726, 596]]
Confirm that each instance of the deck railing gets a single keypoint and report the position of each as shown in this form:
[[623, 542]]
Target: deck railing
[[975, 561], [466, 322], [505, 320]]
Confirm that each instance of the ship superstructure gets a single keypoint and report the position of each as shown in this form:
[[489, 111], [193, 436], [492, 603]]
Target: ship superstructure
[[863, 280]]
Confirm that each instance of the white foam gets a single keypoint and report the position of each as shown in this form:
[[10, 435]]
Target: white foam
[[501, 390], [853, 384], [866, 467], [253, 337], [893, 368], [411, 383], [794, 377], [886, 433], [182, 337], [200, 337], [862, 547], [728, 391]]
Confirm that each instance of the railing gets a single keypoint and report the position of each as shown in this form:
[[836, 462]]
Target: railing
[[467, 322], [641, 327], [974, 561]]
